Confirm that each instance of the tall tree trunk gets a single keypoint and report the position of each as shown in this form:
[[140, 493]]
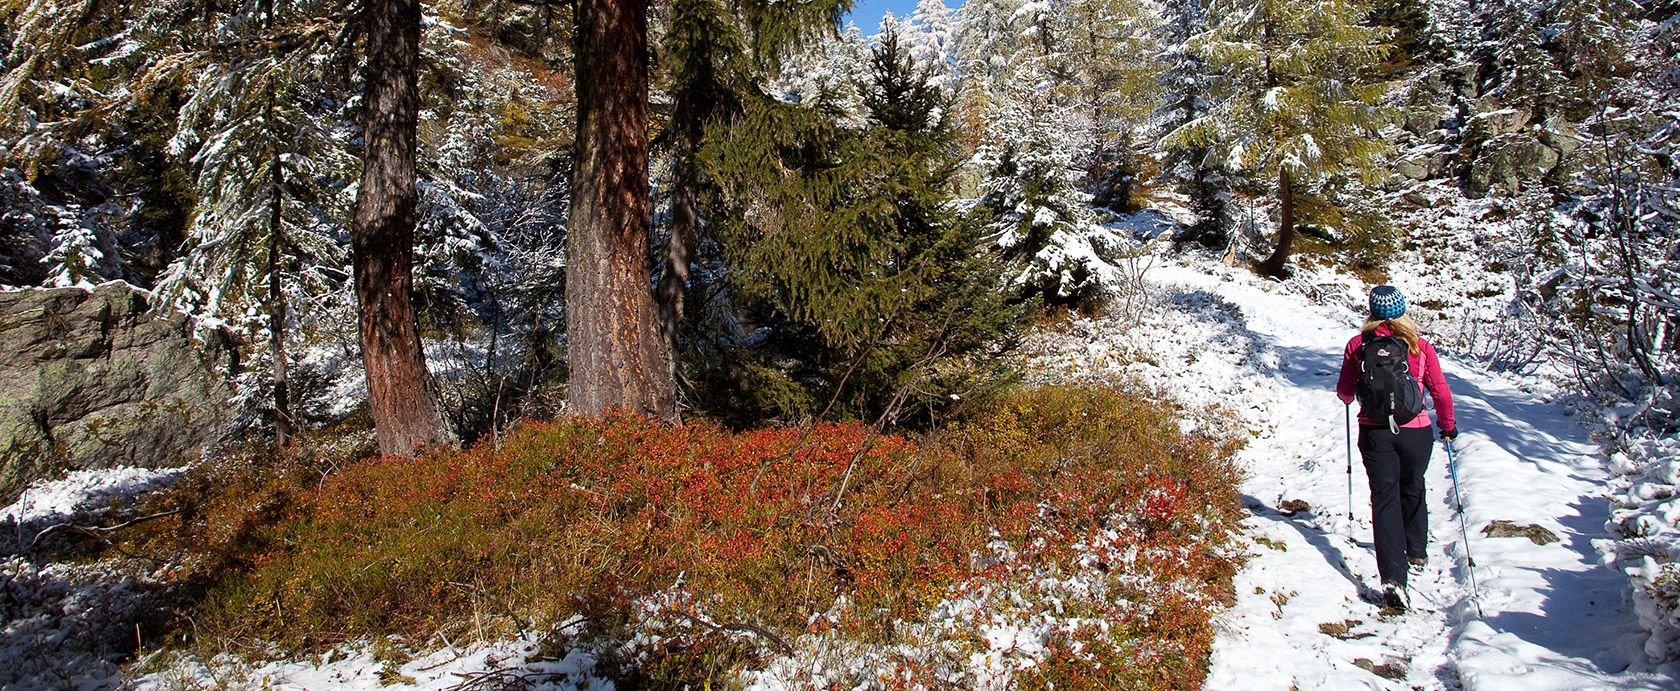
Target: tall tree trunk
[[277, 315], [1273, 266], [405, 416], [679, 250], [614, 348]]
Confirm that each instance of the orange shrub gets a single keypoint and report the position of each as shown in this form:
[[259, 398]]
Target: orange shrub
[[767, 528]]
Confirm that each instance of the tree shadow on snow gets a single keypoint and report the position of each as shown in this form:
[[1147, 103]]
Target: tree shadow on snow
[[1320, 540], [1584, 614]]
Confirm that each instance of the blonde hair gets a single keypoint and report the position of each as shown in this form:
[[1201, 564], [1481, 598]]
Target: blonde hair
[[1403, 327]]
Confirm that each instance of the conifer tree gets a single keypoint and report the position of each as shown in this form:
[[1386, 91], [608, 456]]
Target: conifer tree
[[615, 351], [841, 237], [929, 36], [987, 37], [1186, 95], [1298, 101], [1108, 69], [75, 257], [268, 226], [405, 414]]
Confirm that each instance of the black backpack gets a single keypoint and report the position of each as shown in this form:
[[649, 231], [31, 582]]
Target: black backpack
[[1388, 394]]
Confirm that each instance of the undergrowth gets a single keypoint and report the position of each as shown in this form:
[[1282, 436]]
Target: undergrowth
[[698, 553]]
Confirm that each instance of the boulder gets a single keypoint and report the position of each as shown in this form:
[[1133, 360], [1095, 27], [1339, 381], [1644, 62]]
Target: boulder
[[1560, 137], [1505, 161], [92, 379], [1414, 167], [1634, 125], [1499, 122], [1441, 165], [1421, 122]]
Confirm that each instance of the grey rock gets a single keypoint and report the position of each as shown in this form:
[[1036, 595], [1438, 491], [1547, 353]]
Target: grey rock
[[1414, 167], [1499, 122], [1441, 164], [1505, 161], [92, 379], [1421, 122], [1636, 125], [1561, 137]]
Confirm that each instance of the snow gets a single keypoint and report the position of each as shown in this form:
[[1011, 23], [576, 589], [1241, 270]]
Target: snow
[[67, 625], [515, 663], [1550, 616], [81, 490]]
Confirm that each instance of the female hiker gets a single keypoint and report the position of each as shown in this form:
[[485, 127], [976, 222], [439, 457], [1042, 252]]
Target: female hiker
[[1387, 367]]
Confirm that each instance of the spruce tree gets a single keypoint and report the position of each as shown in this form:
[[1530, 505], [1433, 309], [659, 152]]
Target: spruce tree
[[1186, 86], [854, 278], [1298, 103]]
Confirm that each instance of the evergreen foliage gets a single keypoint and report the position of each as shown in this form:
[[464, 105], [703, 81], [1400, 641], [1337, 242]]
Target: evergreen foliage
[[843, 238], [268, 170], [1186, 86], [1298, 101]]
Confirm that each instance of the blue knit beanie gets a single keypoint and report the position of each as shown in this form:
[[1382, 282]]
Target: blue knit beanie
[[1387, 302]]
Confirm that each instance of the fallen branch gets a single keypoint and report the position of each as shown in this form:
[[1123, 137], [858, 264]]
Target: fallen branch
[[97, 531], [781, 645]]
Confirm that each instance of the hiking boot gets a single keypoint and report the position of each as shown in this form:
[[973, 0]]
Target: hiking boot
[[1394, 597], [1418, 563]]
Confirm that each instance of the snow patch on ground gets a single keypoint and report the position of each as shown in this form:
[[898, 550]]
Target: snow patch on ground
[[84, 490], [68, 625], [511, 664]]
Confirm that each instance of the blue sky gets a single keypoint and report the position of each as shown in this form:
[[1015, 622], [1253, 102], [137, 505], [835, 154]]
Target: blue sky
[[868, 13]]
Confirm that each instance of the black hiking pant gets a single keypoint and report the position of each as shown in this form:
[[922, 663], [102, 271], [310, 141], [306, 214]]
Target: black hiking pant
[[1399, 520]]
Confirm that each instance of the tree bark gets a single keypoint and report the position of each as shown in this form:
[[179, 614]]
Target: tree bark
[[277, 314], [405, 416], [679, 250], [614, 349], [1273, 266]]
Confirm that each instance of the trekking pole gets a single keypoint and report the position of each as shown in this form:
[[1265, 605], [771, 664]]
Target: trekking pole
[[1464, 534], [1347, 413]]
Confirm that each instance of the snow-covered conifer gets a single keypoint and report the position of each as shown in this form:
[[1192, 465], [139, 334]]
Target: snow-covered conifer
[[269, 172], [929, 36], [1186, 86], [1298, 101], [75, 257], [1032, 183]]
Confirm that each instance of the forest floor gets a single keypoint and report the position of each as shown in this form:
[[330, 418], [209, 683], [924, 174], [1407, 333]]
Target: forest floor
[[1259, 359]]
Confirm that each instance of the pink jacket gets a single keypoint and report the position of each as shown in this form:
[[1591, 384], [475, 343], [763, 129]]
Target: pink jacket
[[1426, 368]]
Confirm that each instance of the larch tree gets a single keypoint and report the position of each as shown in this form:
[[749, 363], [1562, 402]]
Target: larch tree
[[613, 346], [1299, 101], [267, 228], [405, 413], [928, 36], [1109, 69]]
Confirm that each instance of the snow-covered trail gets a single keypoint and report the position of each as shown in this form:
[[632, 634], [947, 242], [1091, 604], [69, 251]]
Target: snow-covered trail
[[1550, 617]]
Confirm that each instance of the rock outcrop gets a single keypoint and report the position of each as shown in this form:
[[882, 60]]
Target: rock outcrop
[[1505, 161], [92, 379]]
